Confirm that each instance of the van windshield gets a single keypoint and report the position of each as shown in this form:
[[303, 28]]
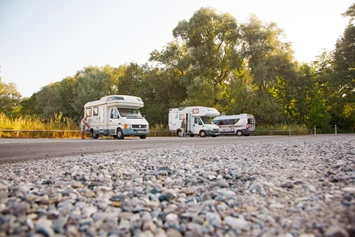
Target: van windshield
[[130, 113]]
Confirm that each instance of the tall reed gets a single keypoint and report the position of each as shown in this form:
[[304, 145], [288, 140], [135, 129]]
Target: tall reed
[[34, 127]]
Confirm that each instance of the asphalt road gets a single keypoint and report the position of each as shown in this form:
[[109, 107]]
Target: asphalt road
[[16, 150]]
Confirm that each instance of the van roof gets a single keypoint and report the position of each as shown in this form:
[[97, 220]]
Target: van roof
[[234, 116]]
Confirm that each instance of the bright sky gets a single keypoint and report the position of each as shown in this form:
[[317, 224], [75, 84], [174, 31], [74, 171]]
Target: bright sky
[[44, 41]]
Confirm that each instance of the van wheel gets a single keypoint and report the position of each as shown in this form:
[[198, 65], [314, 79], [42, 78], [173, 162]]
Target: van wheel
[[239, 133], [120, 134], [94, 135], [143, 136], [191, 135], [202, 133]]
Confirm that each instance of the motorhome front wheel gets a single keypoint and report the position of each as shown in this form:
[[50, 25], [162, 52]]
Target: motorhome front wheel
[[120, 134], [202, 133]]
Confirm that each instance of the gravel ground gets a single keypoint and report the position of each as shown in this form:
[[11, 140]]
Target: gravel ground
[[290, 188]]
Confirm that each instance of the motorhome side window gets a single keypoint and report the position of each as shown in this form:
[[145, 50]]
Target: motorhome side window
[[115, 98], [114, 114], [88, 112], [198, 121], [96, 111]]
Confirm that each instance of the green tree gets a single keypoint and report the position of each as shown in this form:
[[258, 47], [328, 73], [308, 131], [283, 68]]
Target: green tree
[[172, 64], [129, 79], [350, 13], [53, 99], [266, 109], [210, 40], [318, 115], [9, 97], [48, 101], [66, 89], [343, 79], [92, 83], [114, 75], [269, 57], [155, 92], [303, 91], [28, 106], [269, 60]]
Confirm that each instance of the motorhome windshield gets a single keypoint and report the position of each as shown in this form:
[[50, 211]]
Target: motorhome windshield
[[206, 120], [130, 113]]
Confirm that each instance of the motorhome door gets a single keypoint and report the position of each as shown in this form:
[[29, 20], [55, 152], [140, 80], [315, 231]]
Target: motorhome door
[[114, 121], [197, 125], [189, 123]]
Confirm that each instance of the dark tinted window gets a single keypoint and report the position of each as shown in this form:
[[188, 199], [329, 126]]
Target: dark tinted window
[[115, 98]]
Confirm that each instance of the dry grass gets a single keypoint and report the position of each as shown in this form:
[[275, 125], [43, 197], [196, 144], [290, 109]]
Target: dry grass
[[34, 127], [62, 127]]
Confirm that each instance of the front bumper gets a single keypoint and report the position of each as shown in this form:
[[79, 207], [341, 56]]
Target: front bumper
[[135, 132], [212, 132]]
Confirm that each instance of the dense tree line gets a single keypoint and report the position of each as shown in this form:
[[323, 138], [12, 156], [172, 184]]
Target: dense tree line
[[217, 61]]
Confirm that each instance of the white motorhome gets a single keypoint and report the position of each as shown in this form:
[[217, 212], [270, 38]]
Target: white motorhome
[[240, 124], [198, 121], [118, 116]]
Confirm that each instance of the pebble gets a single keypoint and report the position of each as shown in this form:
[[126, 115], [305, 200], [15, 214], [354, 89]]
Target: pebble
[[303, 188]]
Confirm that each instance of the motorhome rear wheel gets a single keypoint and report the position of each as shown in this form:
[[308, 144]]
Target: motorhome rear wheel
[[94, 135]]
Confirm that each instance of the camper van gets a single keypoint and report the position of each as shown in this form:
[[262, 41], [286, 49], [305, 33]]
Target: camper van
[[241, 124], [198, 121], [118, 116]]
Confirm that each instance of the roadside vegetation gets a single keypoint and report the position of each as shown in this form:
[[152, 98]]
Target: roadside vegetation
[[34, 127], [213, 61], [59, 127]]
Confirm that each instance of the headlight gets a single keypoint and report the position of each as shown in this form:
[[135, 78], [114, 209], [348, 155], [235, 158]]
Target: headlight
[[126, 126]]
